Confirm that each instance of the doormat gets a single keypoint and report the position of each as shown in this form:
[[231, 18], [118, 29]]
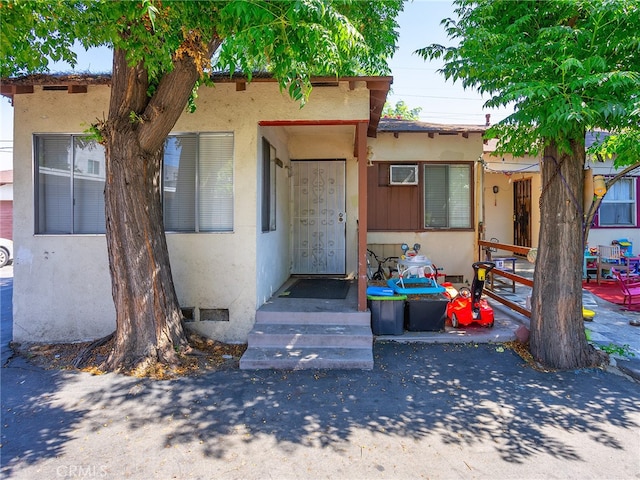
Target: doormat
[[326, 288]]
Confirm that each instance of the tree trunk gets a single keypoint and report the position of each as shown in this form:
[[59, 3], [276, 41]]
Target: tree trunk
[[558, 337], [148, 317]]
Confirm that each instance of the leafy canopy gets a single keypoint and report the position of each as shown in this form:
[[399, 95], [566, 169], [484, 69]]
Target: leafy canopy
[[402, 111], [565, 66], [291, 39]]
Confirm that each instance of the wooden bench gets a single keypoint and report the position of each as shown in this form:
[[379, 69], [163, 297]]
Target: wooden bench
[[609, 257]]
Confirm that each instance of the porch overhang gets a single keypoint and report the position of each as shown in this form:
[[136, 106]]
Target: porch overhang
[[361, 128]]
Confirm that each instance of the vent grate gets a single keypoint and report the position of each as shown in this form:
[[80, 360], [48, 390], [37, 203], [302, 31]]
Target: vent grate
[[214, 315], [188, 314]]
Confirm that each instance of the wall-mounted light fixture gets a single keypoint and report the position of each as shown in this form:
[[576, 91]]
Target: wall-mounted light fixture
[[369, 156], [599, 186], [496, 189]]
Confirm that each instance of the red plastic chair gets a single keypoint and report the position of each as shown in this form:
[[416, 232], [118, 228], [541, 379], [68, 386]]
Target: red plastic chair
[[630, 289]]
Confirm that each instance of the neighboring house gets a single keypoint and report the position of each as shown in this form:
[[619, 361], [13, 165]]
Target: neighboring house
[[6, 204], [512, 189], [241, 180], [424, 187]]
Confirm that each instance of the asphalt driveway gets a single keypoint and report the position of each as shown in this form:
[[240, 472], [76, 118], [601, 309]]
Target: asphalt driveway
[[425, 411]]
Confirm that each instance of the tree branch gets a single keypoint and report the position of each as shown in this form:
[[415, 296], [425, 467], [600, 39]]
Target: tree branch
[[595, 205], [171, 96]]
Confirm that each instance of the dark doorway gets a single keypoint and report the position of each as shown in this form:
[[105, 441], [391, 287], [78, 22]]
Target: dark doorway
[[522, 212]]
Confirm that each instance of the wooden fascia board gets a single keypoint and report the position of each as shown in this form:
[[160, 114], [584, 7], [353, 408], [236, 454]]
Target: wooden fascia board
[[10, 90], [293, 123], [77, 89]]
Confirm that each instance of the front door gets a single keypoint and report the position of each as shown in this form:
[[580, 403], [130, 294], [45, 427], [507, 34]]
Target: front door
[[319, 223], [522, 212]]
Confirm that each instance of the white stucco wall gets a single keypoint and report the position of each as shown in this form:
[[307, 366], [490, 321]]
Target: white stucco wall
[[498, 208], [272, 248], [62, 285], [453, 251]]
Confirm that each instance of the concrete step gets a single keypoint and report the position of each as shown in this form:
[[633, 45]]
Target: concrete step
[[256, 358], [310, 335], [321, 317]]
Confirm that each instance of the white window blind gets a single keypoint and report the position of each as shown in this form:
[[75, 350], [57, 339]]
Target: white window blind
[[447, 196], [179, 174], [198, 183], [88, 187], [69, 200]]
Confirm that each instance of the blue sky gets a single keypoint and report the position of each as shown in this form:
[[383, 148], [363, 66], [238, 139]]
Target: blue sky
[[416, 82]]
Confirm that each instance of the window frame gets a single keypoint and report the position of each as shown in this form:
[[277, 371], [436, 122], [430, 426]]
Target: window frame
[[72, 176], [470, 203], [269, 187], [380, 197], [197, 192], [634, 202], [70, 138]]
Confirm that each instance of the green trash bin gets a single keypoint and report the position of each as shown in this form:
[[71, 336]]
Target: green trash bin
[[387, 314]]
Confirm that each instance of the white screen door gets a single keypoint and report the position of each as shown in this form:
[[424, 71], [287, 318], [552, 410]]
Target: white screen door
[[319, 222]]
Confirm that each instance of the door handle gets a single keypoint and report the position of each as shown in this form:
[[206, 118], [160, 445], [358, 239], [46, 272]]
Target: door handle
[[341, 217]]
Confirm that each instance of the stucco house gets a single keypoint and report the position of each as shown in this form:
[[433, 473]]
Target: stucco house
[[238, 177], [512, 187]]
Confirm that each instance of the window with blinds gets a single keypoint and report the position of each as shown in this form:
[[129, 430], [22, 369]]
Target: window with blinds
[[447, 196], [618, 207], [197, 182], [69, 185]]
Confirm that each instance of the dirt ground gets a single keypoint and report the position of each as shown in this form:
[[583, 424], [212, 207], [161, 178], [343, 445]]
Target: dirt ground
[[207, 356]]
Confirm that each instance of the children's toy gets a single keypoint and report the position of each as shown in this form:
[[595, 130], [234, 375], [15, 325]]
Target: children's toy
[[416, 274], [469, 306]]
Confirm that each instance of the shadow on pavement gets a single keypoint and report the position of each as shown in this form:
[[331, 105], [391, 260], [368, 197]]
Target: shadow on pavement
[[456, 399]]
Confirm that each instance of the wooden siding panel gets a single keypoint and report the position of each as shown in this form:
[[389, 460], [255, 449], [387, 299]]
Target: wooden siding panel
[[391, 207]]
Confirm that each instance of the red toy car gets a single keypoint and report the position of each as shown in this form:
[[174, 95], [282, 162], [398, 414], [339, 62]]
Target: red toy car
[[469, 306]]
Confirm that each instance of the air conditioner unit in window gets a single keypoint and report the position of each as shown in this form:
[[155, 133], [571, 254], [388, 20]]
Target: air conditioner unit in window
[[403, 175]]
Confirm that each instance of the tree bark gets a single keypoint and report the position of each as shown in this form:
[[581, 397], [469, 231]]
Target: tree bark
[[558, 337], [148, 317]]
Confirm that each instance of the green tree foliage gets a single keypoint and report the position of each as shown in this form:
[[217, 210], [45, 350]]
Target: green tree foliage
[[291, 39], [402, 111], [163, 50], [565, 66]]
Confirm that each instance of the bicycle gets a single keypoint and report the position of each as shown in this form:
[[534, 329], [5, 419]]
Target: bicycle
[[380, 273]]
